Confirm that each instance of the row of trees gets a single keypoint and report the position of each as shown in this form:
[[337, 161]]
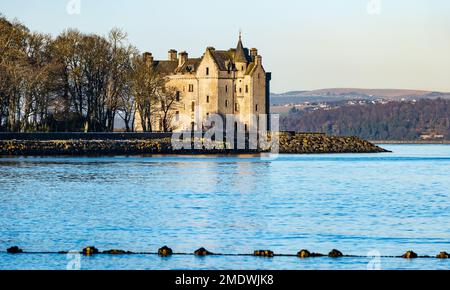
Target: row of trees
[[391, 121], [76, 82]]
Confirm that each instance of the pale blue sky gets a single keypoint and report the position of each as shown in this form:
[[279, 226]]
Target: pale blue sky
[[307, 44]]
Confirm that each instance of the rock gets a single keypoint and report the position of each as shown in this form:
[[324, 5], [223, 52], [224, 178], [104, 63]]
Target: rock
[[116, 252], [202, 252], [443, 255], [409, 255], [320, 143], [165, 251], [295, 143], [263, 253], [304, 254], [89, 251], [14, 250], [335, 254]]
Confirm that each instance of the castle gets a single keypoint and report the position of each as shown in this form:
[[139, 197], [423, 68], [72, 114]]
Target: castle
[[223, 82]]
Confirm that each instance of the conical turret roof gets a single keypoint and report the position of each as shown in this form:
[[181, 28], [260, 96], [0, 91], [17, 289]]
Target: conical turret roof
[[240, 55]]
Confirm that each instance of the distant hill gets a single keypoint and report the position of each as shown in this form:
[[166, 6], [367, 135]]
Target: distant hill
[[344, 94], [390, 121]]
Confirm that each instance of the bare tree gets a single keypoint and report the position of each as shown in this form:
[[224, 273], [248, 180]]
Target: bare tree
[[118, 91], [170, 102], [146, 83], [76, 82]]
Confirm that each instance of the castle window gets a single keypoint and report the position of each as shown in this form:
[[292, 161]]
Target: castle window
[[207, 99], [177, 96], [242, 68], [191, 88], [226, 88], [240, 90], [236, 107], [207, 71], [256, 108], [193, 107], [226, 103], [246, 88]]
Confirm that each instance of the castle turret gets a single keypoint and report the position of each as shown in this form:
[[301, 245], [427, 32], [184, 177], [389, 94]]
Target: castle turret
[[240, 57]]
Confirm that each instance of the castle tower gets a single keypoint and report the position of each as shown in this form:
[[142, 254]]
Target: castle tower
[[240, 86], [240, 58]]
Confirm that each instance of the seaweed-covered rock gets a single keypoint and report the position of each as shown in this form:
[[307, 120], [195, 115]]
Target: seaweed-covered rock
[[264, 253], [443, 255], [304, 254], [335, 254], [116, 252], [165, 251], [409, 255], [203, 252], [89, 251], [14, 250]]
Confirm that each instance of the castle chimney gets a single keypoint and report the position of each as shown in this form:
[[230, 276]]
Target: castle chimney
[[148, 58], [182, 58], [173, 55], [258, 59], [253, 53]]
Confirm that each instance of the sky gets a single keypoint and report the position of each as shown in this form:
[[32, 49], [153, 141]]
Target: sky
[[306, 44]]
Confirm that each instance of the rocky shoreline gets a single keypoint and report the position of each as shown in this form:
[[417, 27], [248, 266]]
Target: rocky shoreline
[[319, 143], [289, 144]]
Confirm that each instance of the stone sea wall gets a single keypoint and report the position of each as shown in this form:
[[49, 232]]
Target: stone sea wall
[[289, 143]]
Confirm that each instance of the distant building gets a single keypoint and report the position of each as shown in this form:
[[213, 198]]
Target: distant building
[[220, 82], [431, 136]]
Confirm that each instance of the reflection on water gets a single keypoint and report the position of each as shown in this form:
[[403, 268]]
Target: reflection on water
[[356, 203]]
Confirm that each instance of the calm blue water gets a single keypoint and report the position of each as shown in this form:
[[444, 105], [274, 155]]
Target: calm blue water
[[356, 203]]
